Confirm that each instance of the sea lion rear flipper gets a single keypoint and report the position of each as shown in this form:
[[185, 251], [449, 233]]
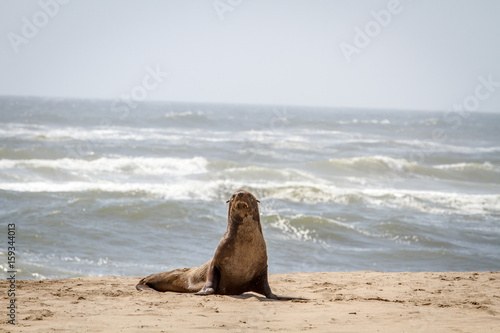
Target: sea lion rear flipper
[[141, 286], [213, 278]]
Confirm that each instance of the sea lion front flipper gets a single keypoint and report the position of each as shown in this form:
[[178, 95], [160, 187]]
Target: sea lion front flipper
[[213, 278], [261, 285]]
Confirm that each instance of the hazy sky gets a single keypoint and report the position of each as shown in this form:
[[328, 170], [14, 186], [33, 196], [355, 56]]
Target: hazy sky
[[420, 54]]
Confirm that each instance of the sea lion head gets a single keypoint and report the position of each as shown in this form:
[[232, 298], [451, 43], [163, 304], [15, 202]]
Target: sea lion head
[[243, 205]]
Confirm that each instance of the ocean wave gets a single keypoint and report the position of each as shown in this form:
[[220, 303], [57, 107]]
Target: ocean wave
[[100, 133], [95, 136], [356, 121], [486, 166], [435, 202], [392, 168], [290, 231], [441, 203], [21, 153], [367, 169], [427, 147], [168, 166], [373, 163], [187, 114], [157, 177], [187, 190], [476, 172], [52, 266], [199, 179]]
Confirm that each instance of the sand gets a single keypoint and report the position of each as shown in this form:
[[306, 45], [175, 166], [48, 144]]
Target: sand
[[337, 302]]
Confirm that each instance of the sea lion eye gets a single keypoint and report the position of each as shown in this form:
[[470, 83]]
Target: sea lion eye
[[232, 197]]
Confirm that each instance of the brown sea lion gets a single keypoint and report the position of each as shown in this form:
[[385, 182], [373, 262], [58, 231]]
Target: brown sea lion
[[239, 263]]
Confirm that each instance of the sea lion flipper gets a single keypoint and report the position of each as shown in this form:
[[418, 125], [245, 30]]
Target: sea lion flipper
[[205, 291], [184, 280], [289, 298], [141, 286], [213, 278], [260, 285]]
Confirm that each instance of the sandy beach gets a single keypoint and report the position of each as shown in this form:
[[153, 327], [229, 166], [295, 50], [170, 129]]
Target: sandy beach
[[337, 302]]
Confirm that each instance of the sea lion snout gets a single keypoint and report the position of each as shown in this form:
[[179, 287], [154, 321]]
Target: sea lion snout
[[241, 205], [242, 200]]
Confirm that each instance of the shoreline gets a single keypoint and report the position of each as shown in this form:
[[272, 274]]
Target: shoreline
[[363, 301]]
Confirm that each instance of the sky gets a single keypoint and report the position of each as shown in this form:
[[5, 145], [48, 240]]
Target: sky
[[394, 54]]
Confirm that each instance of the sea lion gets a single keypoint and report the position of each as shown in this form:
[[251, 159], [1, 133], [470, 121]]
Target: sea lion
[[239, 263]]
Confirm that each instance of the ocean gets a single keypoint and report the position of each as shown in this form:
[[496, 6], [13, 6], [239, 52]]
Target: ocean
[[97, 188]]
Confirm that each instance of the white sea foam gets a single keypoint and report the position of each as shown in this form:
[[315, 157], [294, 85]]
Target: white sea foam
[[427, 147], [374, 162], [168, 166], [172, 178], [94, 135], [292, 232], [187, 190], [364, 121], [173, 114], [434, 202], [486, 166]]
